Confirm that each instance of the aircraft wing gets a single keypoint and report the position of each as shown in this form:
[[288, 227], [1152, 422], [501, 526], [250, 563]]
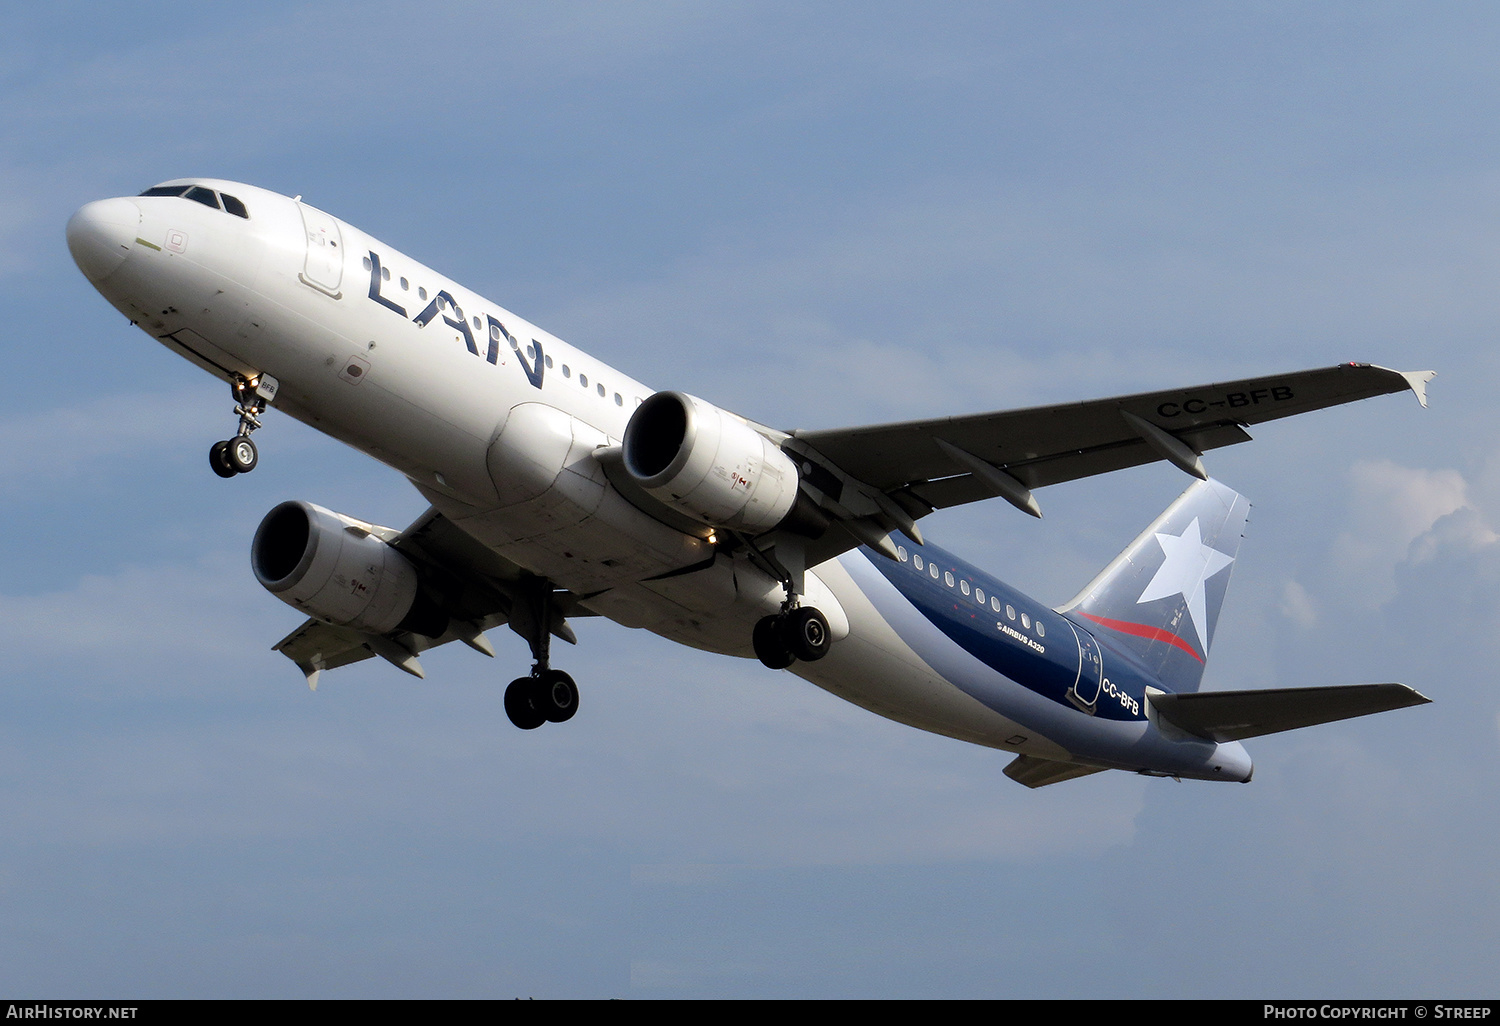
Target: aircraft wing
[[318, 646], [473, 585], [933, 464]]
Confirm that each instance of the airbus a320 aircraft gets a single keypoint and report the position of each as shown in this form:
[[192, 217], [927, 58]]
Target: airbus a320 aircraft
[[560, 488]]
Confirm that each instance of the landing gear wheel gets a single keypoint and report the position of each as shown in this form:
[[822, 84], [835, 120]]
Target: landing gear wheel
[[556, 696], [218, 459], [241, 454], [770, 645], [805, 634], [520, 705]]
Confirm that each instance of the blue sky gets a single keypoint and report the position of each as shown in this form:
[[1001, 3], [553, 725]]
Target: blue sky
[[814, 215]]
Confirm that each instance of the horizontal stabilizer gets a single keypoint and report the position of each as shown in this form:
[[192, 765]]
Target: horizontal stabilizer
[[1034, 772], [1236, 715]]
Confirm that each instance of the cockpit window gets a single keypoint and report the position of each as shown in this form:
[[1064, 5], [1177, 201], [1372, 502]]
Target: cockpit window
[[204, 196]]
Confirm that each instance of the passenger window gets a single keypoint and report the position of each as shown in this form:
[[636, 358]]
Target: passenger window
[[619, 399], [948, 579], [421, 293], [234, 206], [963, 586], [994, 603], [1041, 631], [1025, 621], [1010, 612], [932, 569], [601, 390], [583, 379], [548, 362], [567, 373], [405, 285], [901, 553], [979, 595], [916, 561]]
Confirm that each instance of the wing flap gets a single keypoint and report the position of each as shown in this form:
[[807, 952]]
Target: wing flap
[[316, 646], [1236, 715]]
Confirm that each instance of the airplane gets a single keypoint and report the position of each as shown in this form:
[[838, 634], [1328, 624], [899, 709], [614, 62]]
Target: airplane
[[560, 488]]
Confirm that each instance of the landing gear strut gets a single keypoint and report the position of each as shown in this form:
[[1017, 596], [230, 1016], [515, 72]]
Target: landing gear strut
[[548, 695], [798, 631], [238, 455]]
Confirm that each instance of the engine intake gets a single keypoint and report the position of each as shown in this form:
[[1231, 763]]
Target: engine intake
[[709, 464], [336, 569]]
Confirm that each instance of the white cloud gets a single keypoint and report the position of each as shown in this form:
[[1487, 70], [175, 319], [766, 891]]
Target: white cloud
[[1297, 605], [1391, 507]]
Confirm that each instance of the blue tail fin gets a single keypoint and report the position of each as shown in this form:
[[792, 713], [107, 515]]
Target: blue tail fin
[[1160, 598]]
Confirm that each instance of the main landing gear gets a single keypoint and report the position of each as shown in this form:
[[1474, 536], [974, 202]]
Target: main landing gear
[[238, 455], [548, 695], [800, 633]]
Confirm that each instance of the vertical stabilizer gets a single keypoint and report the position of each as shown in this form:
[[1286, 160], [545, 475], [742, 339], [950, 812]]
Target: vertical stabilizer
[[1160, 598]]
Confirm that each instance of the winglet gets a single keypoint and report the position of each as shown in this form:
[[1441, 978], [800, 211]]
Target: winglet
[[1417, 382], [311, 672]]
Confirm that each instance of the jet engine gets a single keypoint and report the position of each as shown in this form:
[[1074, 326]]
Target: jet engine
[[709, 464], [338, 570]]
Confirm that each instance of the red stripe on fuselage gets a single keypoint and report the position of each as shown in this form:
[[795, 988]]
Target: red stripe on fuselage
[[1140, 630]]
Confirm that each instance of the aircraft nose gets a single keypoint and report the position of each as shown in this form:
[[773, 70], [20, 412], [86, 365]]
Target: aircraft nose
[[101, 234]]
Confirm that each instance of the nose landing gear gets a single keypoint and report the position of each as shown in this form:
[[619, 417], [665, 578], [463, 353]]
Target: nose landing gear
[[238, 455]]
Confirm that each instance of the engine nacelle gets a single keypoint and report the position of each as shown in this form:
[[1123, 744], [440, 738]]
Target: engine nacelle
[[335, 569], [708, 463]]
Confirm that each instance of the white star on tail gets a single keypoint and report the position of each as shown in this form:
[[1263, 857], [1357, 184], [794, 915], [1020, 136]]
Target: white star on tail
[[1188, 564]]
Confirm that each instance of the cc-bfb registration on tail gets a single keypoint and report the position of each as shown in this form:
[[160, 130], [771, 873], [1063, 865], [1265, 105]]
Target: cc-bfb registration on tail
[[561, 488]]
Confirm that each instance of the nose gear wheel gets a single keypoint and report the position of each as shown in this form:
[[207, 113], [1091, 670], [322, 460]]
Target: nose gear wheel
[[238, 455]]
